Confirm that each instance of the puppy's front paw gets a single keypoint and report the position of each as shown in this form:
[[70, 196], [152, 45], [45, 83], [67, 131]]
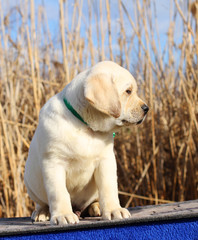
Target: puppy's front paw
[[64, 219], [118, 213]]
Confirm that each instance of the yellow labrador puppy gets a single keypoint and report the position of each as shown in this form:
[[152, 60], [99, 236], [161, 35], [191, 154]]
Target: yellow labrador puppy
[[71, 163]]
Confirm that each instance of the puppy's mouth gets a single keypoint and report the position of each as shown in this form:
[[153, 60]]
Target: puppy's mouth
[[139, 122], [127, 123]]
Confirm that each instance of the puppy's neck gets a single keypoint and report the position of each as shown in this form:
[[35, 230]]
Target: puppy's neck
[[98, 121]]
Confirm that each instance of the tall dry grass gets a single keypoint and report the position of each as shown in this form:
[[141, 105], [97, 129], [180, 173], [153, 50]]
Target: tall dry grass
[[158, 161]]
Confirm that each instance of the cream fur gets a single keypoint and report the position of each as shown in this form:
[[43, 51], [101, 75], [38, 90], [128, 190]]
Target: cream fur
[[71, 165]]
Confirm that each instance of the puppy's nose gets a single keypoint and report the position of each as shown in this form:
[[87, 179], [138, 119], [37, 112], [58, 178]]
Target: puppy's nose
[[145, 108]]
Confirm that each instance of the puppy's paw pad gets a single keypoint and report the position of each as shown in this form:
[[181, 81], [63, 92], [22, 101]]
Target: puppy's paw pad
[[119, 213], [64, 219]]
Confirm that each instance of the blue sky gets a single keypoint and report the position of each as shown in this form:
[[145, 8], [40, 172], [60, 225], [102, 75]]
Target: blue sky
[[52, 13]]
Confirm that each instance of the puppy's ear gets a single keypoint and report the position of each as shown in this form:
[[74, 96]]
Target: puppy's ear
[[100, 91]]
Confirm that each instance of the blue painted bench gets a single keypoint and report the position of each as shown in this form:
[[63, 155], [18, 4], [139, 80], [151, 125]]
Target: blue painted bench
[[166, 221]]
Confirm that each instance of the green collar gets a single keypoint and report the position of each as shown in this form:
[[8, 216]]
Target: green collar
[[73, 111]]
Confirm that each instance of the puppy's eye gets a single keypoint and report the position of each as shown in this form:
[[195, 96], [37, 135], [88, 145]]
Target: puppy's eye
[[128, 91]]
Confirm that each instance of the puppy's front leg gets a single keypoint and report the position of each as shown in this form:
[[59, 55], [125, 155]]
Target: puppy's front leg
[[54, 176], [106, 180]]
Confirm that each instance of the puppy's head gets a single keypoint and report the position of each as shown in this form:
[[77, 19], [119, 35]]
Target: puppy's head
[[112, 90], [133, 109]]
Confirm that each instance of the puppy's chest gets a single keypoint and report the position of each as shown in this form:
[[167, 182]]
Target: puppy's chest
[[80, 173], [85, 157], [87, 148], [83, 154]]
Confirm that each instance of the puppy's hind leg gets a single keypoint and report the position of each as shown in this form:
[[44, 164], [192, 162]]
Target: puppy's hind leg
[[94, 209], [40, 214]]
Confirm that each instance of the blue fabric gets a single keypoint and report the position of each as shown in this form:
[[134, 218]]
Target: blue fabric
[[173, 230]]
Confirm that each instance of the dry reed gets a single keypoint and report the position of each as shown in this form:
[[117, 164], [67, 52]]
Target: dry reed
[[157, 161]]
